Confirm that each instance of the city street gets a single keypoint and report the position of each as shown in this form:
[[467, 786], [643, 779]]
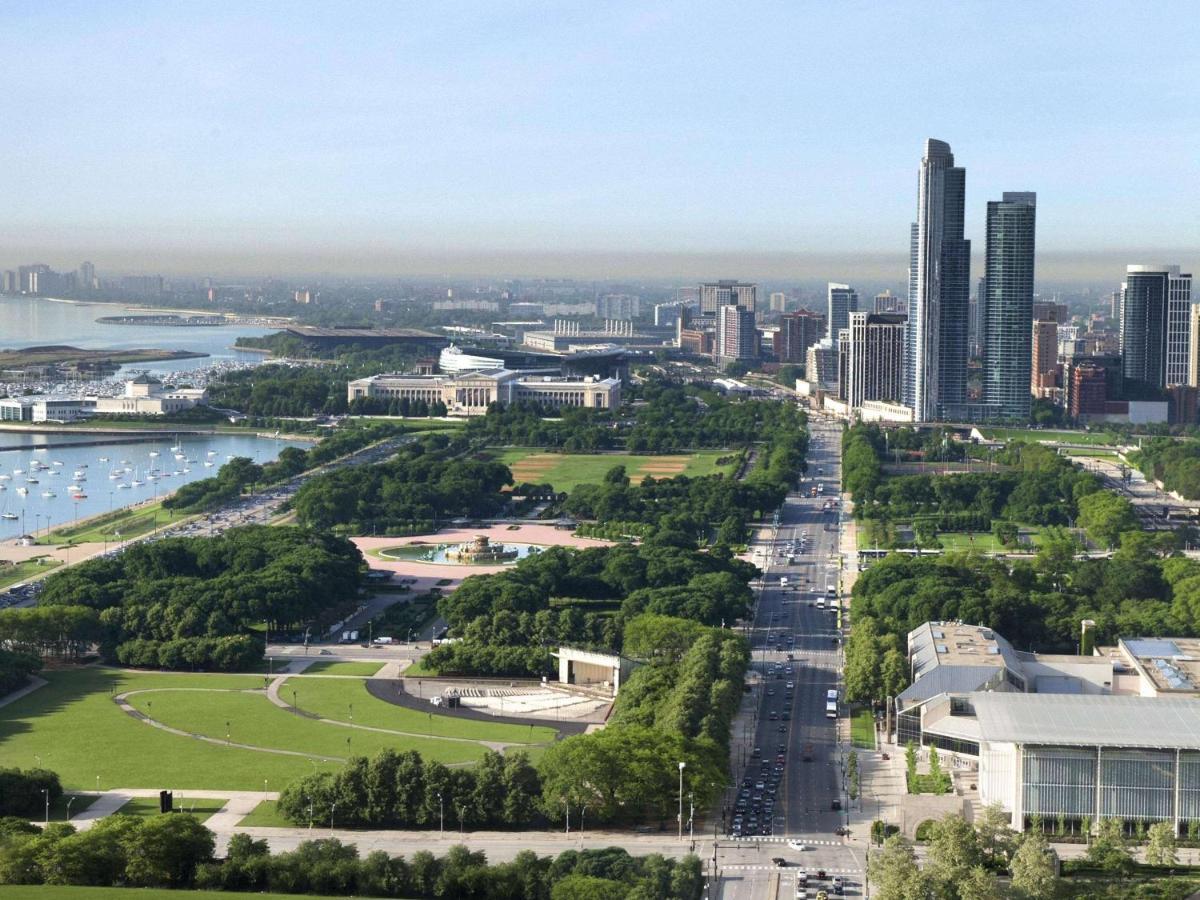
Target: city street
[[796, 661]]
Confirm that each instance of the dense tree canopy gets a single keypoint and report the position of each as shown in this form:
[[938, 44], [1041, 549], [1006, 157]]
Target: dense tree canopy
[[190, 589]]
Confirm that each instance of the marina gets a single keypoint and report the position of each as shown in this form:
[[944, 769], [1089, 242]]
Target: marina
[[47, 481]]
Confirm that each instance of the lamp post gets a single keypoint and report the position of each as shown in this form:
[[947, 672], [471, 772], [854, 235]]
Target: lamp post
[[441, 815], [46, 794], [70, 800], [310, 812], [682, 766], [332, 807]]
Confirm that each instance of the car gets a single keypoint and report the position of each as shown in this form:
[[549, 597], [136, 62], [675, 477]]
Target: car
[[779, 861], [835, 805], [798, 846], [782, 728]]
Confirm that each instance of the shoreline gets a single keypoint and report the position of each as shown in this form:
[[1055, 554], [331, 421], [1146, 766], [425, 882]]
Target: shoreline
[[237, 318]]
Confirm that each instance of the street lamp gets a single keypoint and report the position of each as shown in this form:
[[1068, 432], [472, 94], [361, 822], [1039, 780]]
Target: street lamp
[[70, 800], [682, 766], [46, 794], [441, 815], [332, 807]]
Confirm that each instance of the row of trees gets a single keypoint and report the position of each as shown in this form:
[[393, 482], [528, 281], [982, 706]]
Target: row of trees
[[425, 483], [240, 473], [23, 793], [176, 851], [1038, 604], [183, 588], [1175, 463], [402, 790]]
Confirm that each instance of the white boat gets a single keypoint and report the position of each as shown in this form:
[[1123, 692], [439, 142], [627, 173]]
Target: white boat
[[18, 471], [104, 459], [49, 494], [136, 483], [3, 487], [40, 449], [31, 480], [211, 453], [58, 462], [208, 464], [22, 491], [122, 486], [154, 453], [186, 470], [113, 476], [74, 488], [124, 462], [79, 473], [5, 477], [181, 456], [9, 516]]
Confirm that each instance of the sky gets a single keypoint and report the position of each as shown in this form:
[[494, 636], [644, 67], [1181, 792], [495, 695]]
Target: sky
[[595, 139]]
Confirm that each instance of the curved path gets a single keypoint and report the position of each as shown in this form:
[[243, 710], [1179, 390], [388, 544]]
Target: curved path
[[273, 696]]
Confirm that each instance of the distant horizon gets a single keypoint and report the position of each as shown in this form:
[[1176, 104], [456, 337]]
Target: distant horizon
[[1055, 271]]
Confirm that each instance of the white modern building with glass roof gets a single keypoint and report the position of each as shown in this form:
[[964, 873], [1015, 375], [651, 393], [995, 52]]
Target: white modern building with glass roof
[[1115, 734]]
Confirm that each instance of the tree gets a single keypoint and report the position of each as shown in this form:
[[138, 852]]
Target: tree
[[1033, 868], [1108, 849], [1005, 532], [894, 872], [953, 853], [1161, 849], [996, 837], [1104, 515], [1056, 554], [165, 851], [977, 884]]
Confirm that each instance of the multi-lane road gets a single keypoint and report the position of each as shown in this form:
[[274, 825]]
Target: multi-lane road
[[788, 761]]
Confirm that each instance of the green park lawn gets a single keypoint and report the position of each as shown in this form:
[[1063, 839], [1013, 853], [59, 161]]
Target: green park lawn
[[330, 667], [862, 729], [57, 891], [1102, 439], [265, 815], [73, 727], [27, 569], [120, 524], [565, 471], [331, 698], [250, 718], [199, 807]]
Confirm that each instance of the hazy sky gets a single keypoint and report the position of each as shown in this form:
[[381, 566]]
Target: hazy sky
[[423, 136]]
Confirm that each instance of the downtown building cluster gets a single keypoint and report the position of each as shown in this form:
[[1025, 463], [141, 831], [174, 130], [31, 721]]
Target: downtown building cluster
[[910, 360]]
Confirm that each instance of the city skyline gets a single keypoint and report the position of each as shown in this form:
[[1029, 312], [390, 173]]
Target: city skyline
[[510, 140]]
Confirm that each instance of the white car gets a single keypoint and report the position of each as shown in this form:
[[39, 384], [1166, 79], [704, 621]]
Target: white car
[[797, 845]]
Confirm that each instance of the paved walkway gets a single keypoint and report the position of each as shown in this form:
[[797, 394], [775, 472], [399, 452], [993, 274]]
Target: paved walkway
[[34, 683], [273, 696]]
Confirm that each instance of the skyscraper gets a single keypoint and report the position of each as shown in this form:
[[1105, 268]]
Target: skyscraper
[[874, 365], [1044, 354], [87, 276], [939, 285], [1155, 325], [737, 338], [843, 300], [1008, 304], [887, 302], [715, 294], [798, 331], [778, 301]]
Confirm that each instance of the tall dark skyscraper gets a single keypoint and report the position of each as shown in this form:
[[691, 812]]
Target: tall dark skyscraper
[[939, 285], [843, 300], [1007, 299], [1155, 325]]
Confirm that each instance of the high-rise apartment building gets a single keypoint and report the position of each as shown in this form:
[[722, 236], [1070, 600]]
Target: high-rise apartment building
[[1008, 304], [843, 300], [821, 365], [1051, 311], [874, 358], [939, 281], [798, 331], [887, 302], [86, 276], [737, 338], [1194, 346], [975, 307], [618, 306], [715, 294], [1044, 355], [1156, 324], [778, 301]]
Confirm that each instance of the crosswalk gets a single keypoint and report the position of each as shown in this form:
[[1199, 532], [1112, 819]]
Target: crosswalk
[[777, 839], [762, 867]]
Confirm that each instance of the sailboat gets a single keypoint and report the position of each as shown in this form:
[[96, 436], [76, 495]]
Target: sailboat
[[22, 490], [6, 514]]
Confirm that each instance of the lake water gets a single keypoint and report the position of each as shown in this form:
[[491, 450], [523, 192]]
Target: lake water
[[35, 321], [19, 451]]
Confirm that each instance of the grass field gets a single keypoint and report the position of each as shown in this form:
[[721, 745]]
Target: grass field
[[250, 718], [862, 729], [27, 569], [127, 523], [57, 891], [44, 729], [331, 698], [1094, 454], [565, 471], [1102, 439], [265, 815], [960, 541], [329, 667], [200, 807]]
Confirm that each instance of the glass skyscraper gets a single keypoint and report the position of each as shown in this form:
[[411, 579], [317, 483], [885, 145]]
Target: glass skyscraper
[[1155, 325], [1007, 311], [939, 290]]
